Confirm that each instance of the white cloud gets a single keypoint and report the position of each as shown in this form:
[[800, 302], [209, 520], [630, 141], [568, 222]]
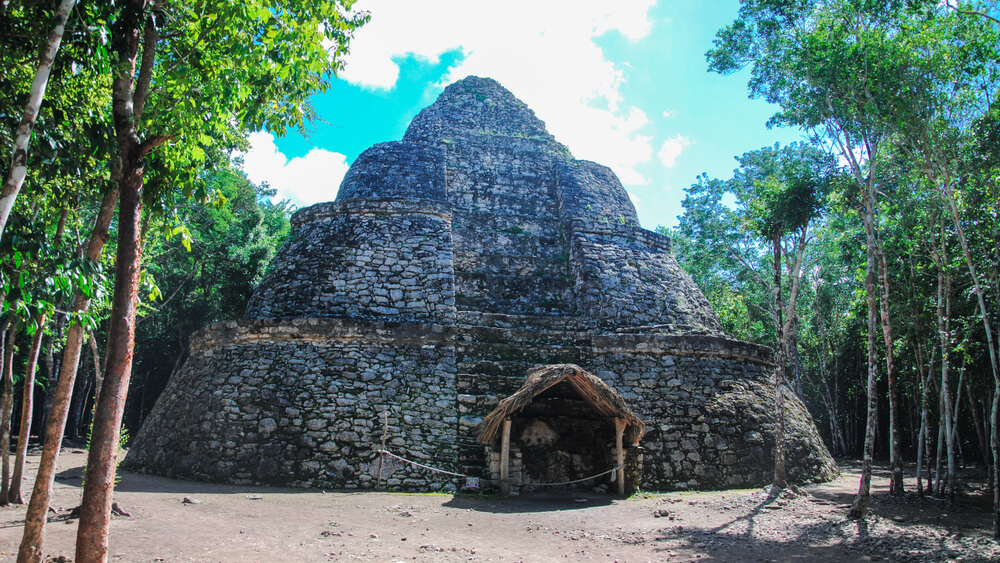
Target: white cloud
[[635, 199], [303, 180], [672, 148], [667, 114], [541, 50]]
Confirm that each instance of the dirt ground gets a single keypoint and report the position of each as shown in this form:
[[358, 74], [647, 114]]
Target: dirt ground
[[227, 523]]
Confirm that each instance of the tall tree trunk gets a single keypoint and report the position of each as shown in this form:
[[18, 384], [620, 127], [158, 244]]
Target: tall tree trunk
[[895, 444], [95, 511], [780, 470], [99, 373], [27, 408], [794, 364], [81, 397], [860, 505], [30, 550], [995, 444], [924, 373], [944, 330], [941, 437], [949, 196], [977, 423], [19, 156], [53, 367], [953, 439], [7, 406]]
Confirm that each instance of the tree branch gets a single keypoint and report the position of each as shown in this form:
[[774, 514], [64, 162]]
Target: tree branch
[[971, 12], [150, 37]]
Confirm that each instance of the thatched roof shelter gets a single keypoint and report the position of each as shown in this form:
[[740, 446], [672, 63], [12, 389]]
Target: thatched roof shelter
[[591, 389]]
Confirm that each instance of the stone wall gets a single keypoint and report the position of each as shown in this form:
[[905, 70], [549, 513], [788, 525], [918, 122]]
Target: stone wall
[[633, 280], [396, 171], [591, 196], [302, 404], [708, 404], [707, 401], [359, 259], [510, 251]]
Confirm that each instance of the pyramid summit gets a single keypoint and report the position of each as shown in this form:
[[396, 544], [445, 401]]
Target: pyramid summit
[[473, 106], [451, 264]]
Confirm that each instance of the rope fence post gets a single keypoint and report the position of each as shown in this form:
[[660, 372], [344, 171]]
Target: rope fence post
[[381, 452]]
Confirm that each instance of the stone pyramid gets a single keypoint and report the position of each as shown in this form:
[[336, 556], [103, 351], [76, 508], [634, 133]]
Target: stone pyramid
[[451, 263]]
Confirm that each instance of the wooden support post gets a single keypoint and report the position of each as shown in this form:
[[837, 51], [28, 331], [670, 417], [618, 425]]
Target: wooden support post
[[505, 459], [620, 454]]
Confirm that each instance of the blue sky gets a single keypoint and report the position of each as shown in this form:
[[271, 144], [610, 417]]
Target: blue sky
[[624, 84]]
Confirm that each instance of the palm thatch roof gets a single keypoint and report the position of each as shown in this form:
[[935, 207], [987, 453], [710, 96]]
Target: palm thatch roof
[[591, 389]]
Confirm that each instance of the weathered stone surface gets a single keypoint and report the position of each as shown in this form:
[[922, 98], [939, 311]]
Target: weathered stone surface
[[450, 263]]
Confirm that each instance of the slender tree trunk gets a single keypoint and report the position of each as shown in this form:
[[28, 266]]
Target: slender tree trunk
[[8, 406], [946, 404], [19, 158], [99, 374], [780, 470], [794, 364], [924, 373], [52, 366], [949, 196], [977, 423], [995, 444], [27, 408], [95, 511], [953, 442], [30, 550], [828, 397], [941, 437], [895, 444], [78, 404], [860, 505]]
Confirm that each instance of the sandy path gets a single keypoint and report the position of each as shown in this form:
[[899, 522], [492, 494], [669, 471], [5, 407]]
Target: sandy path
[[266, 524]]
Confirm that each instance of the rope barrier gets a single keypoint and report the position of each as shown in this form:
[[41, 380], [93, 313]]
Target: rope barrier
[[390, 454], [612, 470], [462, 475]]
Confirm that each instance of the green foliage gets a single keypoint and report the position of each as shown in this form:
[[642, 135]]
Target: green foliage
[[231, 246], [231, 68], [712, 248], [782, 189], [904, 92]]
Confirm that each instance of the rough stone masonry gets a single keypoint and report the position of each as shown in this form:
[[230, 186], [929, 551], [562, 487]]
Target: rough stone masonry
[[449, 264]]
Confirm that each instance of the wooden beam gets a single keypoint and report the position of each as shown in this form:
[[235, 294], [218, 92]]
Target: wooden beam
[[505, 459], [620, 454]]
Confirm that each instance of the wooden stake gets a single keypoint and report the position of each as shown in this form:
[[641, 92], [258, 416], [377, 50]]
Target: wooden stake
[[381, 453], [505, 459], [620, 454]]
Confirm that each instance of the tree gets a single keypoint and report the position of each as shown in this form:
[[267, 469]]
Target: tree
[[27, 403], [834, 68], [265, 58], [19, 158], [726, 264], [780, 192]]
